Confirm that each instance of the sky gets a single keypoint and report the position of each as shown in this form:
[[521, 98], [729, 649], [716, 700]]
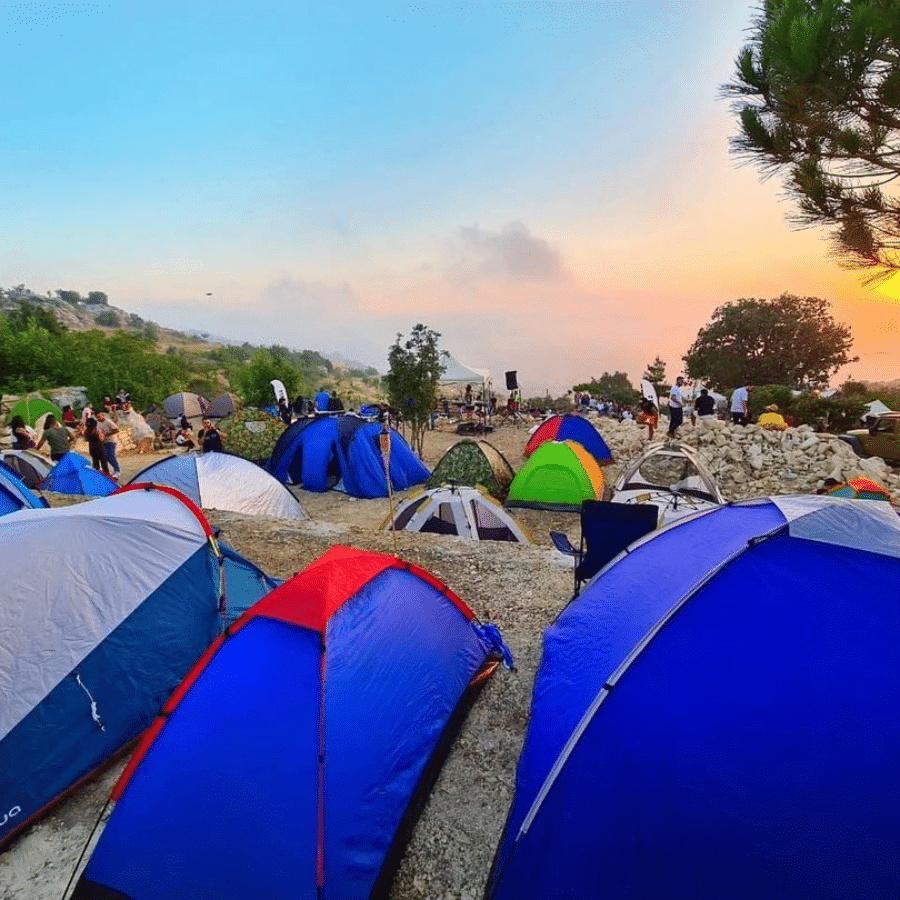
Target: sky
[[546, 183]]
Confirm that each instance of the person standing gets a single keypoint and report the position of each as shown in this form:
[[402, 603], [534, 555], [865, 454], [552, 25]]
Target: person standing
[[335, 404], [95, 446], [740, 404], [676, 407], [649, 416], [705, 406], [57, 437], [108, 431]]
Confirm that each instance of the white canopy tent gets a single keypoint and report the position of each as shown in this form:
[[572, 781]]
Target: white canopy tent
[[455, 373]]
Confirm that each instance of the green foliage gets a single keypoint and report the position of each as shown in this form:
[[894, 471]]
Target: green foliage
[[615, 387], [656, 372], [786, 340], [97, 298], [415, 368], [835, 414], [27, 313], [72, 297], [252, 381], [817, 92], [108, 319]]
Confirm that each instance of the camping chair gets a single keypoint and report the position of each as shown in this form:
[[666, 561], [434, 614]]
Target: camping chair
[[606, 529]]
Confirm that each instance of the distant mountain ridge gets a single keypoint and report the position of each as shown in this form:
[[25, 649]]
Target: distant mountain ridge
[[83, 316]]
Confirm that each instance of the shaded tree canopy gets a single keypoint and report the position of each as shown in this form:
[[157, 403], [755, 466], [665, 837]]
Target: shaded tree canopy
[[785, 340], [613, 386], [415, 368], [817, 91], [656, 372]]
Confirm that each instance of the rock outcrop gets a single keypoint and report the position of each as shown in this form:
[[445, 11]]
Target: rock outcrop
[[754, 462]]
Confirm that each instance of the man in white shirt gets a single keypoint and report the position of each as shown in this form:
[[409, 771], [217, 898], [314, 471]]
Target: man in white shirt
[[676, 406], [740, 399]]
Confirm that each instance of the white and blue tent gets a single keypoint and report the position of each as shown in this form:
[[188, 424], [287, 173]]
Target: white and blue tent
[[226, 482], [108, 605], [717, 716], [14, 495]]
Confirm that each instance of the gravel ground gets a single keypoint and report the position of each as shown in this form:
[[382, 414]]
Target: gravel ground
[[522, 589]]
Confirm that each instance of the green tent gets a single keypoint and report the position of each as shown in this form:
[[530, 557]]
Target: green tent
[[474, 463], [252, 433], [32, 408], [559, 475]]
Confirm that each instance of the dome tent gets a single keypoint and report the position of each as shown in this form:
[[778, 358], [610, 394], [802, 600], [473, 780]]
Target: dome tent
[[460, 511], [14, 495], [31, 409], [344, 687], [343, 452], [31, 467], [726, 728], [73, 474], [226, 482], [474, 463], [187, 404], [559, 475], [571, 428]]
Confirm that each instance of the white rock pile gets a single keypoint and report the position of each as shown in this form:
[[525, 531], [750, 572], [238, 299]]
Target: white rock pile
[[756, 462]]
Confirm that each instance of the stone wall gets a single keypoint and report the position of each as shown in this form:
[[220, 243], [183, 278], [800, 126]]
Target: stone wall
[[755, 462]]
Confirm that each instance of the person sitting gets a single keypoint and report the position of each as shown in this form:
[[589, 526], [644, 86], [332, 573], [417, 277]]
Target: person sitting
[[322, 399], [705, 406], [185, 438], [334, 403], [22, 435], [772, 419]]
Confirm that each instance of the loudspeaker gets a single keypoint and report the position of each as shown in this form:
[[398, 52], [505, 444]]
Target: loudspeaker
[[511, 383]]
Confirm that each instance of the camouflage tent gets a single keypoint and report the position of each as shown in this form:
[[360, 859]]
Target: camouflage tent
[[474, 463], [251, 433]]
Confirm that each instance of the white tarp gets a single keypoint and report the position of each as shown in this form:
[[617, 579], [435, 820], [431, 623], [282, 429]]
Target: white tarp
[[874, 409], [457, 373], [72, 575]]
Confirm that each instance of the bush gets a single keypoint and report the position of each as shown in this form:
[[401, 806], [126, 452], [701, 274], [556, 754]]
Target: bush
[[108, 319]]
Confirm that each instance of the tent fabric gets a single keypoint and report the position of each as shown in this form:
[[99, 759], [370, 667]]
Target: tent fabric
[[343, 452], [187, 404], [559, 475], [340, 687], [226, 482], [31, 409], [455, 373], [671, 476], [715, 716], [571, 428], [223, 405], [115, 599], [14, 495], [457, 511], [861, 489], [73, 474], [31, 467], [474, 463]]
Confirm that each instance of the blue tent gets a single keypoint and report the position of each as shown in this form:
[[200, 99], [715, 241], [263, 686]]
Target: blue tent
[[717, 716], [13, 493], [343, 452], [292, 760], [73, 474], [110, 603]]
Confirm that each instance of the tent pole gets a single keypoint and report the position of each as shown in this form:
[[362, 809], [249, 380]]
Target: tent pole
[[384, 440]]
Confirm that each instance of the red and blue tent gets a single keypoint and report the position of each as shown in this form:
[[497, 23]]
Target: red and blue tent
[[716, 716], [292, 760], [571, 428]]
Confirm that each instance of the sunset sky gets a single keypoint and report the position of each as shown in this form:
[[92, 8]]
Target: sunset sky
[[547, 184]]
